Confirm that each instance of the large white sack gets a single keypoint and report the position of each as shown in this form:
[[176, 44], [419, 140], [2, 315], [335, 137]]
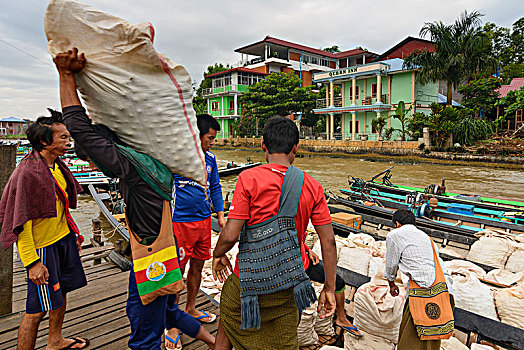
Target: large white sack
[[376, 311], [515, 261], [144, 97], [339, 242], [452, 344], [355, 259], [366, 342], [471, 295], [492, 250], [510, 305], [305, 330], [455, 265], [505, 277], [362, 239], [376, 266], [379, 249]]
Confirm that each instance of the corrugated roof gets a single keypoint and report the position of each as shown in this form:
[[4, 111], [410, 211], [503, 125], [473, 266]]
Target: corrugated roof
[[403, 42], [515, 84], [12, 120], [300, 47], [238, 69]]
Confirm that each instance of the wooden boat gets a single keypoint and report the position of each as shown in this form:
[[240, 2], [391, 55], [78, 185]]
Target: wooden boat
[[110, 204], [234, 169], [438, 191]]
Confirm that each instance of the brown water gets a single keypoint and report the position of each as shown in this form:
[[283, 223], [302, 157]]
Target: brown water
[[332, 173]]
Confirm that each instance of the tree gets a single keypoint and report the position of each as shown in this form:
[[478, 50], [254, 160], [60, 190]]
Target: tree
[[462, 50], [332, 49], [480, 95], [379, 123], [199, 102], [517, 41], [401, 113], [278, 94]]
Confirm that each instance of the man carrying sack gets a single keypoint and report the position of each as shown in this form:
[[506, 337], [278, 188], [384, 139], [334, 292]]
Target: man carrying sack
[[145, 185], [428, 312]]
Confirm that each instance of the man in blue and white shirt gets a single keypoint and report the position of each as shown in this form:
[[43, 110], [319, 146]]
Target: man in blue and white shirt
[[192, 221]]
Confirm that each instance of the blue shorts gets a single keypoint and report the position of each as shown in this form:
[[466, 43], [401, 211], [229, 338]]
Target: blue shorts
[[65, 275]]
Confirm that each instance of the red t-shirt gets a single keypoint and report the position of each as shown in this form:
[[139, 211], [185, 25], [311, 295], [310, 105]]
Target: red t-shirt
[[257, 198]]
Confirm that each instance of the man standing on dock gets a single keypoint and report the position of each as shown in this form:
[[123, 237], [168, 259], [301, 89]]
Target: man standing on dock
[[144, 204], [34, 213], [192, 222], [428, 312], [269, 284]]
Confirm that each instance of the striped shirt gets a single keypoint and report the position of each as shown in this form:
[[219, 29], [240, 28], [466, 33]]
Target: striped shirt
[[409, 249]]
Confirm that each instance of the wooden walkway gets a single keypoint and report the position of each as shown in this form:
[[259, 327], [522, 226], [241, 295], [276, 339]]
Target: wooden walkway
[[96, 311]]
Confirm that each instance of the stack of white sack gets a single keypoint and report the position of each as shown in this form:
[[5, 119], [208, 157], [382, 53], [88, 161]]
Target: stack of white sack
[[322, 326], [515, 261], [339, 241], [305, 331], [452, 344], [471, 295], [367, 341], [455, 265], [510, 305], [505, 277], [356, 253], [142, 96], [378, 313], [493, 248]]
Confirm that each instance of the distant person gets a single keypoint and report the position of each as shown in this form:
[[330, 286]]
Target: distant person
[[429, 307], [192, 222], [143, 198], [34, 212], [260, 302]]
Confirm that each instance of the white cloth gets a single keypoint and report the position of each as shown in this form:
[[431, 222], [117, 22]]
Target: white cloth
[[409, 249]]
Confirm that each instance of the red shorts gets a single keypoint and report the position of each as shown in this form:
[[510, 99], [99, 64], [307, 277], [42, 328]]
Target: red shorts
[[194, 240]]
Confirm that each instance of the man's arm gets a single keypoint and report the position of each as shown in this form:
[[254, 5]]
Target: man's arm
[[215, 189], [391, 269], [226, 241], [37, 272], [329, 257]]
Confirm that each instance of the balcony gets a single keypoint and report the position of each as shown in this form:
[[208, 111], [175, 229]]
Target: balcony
[[337, 101], [239, 111], [234, 88], [323, 103]]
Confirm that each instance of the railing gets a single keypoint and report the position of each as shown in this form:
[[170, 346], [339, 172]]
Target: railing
[[222, 89], [239, 111], [337, 101], [371, 99]]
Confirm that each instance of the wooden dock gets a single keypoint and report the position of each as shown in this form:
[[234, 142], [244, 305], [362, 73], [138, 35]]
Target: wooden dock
[[96, 311]]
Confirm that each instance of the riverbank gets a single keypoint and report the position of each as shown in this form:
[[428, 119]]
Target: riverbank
[[385, 151]]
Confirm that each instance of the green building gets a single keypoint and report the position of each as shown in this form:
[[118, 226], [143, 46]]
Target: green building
[[223, 101], [367, 92]]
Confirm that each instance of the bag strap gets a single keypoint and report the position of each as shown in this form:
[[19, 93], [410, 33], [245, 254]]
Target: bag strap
[[291, 191], [166, 227]]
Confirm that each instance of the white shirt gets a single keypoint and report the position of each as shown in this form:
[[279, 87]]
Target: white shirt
[[409, 249]]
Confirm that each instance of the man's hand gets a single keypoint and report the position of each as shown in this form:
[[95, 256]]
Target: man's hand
[[38, 274], [79, 246], [393, 289], [221, 219], [327, 301], [221, 265], [314, 257], [70, 62]]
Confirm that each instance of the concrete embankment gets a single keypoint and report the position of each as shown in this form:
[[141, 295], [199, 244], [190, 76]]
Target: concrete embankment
[[401, 151]]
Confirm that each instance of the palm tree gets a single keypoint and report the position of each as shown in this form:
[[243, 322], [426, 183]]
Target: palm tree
[[401, 113], [461, 50]]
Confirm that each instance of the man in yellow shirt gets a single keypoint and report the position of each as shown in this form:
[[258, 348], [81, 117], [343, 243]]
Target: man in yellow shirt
[[34, 212]]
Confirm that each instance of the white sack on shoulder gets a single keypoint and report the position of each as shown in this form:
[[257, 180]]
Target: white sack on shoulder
[[471, 295], [145, 98]]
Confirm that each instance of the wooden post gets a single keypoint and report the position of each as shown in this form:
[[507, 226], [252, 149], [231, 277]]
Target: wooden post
[[7, 165], [97, 238]]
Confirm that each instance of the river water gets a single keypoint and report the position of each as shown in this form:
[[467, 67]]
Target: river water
[[332, 173]]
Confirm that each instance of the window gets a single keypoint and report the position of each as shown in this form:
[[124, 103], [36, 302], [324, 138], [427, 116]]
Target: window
[[232, 108], [215, 106], [373, 90], [351, 125], [357, 92]]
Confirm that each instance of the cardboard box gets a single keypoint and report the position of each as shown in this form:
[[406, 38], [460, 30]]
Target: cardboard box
[[347, 219]]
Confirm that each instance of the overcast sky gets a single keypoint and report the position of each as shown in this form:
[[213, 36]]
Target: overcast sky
[[199, 33]]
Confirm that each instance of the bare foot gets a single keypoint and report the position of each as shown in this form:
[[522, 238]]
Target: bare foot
[[172, 339], [202, 316], [72, 343]]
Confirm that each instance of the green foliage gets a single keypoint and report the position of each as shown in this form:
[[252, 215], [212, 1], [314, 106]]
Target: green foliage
[[417, 123], [462, 50], [379, 123], [332, 49], [279, 94], [245, 126], [510, 71], [199, 102], [480, 95], [388, 133], [511, 102], [401, 113], [469, 130]]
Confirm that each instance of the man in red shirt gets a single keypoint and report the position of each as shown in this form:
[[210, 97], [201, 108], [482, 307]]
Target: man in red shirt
[[256, 200]]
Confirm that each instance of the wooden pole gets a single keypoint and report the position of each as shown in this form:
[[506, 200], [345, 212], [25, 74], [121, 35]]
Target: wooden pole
[[7, 165], [97, 238]]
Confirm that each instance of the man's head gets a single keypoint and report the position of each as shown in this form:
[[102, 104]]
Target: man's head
[[208, 128], [403, 217], [49, 134], [280, 136]]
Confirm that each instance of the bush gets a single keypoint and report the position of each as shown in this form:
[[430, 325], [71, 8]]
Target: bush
[[427, 151], [422, 146], [469, 130]]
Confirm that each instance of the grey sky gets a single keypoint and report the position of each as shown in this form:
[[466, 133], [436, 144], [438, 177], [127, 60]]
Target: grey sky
[[200, 33]]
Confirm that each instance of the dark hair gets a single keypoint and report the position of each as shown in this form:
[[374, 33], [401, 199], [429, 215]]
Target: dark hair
[[206, 122], [280, 135], [403, 217], [103, 131], [42, 131]]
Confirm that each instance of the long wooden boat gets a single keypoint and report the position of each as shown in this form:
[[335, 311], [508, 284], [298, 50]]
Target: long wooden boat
[[236, 169], [106, 200]]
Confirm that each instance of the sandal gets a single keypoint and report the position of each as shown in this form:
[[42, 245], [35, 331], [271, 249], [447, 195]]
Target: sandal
[[168, 338], [77, 340]]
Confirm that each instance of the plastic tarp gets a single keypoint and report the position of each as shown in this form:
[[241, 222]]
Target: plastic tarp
[[144, 97]]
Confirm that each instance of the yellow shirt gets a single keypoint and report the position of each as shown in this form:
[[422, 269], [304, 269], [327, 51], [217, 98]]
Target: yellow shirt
[[40, 233]]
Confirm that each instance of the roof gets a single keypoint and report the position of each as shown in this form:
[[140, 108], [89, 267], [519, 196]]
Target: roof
[[400, 44], [12, 120], [271, 40], [442, 99], [515, 84], [238, 69]]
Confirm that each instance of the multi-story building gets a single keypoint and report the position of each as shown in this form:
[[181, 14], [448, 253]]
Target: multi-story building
[[12, 126]]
